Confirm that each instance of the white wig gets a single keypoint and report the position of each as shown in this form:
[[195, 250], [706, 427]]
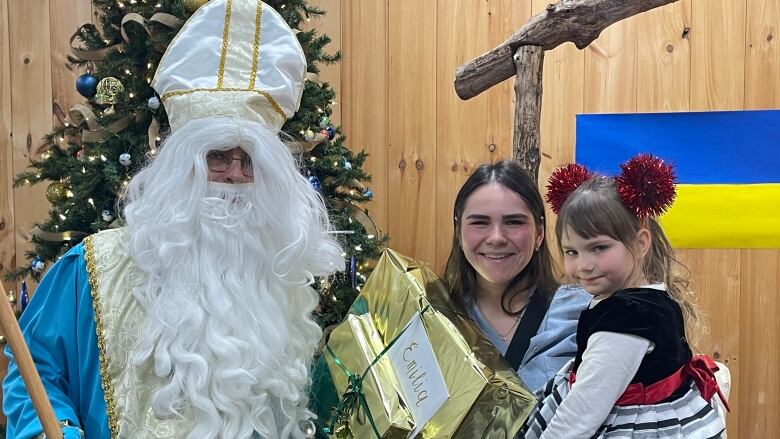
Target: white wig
[[229, 269]]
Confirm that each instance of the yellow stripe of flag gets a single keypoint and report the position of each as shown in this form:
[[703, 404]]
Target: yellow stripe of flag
[[724, 216]]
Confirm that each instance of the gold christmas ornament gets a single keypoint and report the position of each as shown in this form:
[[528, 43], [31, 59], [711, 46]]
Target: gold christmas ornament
[[193, 5], [56, 192], [108, 91]]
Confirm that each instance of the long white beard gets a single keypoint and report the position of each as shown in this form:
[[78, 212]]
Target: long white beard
[[232, 332]]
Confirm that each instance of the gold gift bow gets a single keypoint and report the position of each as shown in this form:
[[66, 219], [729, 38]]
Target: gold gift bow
[[354, 393]]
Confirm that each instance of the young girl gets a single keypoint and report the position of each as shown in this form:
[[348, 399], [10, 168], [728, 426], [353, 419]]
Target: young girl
[[633, 375]]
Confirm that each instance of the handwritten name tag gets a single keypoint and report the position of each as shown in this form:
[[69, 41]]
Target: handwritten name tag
[[418, 372]]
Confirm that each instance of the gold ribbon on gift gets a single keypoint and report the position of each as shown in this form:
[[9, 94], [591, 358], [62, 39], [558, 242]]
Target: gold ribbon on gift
[[67, 235]]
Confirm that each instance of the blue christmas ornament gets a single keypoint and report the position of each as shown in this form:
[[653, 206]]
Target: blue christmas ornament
[[37, 265], [368, 194], [86, 85], [24, 299], [331, 133], [353, 270], [315, 183]]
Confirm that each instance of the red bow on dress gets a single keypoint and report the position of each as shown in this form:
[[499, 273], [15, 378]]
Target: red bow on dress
[[701, 369]]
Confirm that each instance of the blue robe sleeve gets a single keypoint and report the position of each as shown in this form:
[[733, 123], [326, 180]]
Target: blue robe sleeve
[[59, 328]]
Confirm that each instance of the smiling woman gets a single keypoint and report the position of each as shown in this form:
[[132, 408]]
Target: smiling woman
[[500, 272]]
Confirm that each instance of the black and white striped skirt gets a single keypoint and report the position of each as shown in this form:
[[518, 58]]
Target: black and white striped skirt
[[689, 417]]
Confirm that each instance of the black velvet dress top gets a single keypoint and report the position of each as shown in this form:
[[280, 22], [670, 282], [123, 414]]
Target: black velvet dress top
[[647, 313]]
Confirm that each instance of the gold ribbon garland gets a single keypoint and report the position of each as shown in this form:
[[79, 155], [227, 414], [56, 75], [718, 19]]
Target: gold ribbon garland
[[357, 214], [80, 55], [300, 147], [153, 132], [347, 188], [81, 113], [166, 20], [67, 235]]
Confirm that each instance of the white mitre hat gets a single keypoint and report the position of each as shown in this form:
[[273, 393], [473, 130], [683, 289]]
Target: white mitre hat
[[232, 58]]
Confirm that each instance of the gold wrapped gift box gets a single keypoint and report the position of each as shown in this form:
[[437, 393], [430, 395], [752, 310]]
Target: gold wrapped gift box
[[486, 399]]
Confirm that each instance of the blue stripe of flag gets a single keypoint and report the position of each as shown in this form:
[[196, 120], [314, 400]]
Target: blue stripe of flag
[[725, 147]]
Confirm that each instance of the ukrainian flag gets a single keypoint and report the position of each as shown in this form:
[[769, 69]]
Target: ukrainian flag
[[727, 165]]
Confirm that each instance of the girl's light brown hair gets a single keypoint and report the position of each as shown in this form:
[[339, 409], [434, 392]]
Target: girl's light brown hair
[[595, 208]]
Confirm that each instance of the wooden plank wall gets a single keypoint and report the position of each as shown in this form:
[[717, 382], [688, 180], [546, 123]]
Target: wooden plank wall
[[397, 102], [35, 78]]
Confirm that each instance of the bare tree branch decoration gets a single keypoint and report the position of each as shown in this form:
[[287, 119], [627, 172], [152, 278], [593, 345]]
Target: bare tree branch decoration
[[578, 21], [529, 61]]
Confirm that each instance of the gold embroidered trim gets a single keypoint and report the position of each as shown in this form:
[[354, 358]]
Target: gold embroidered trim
[[270, 98], [256, 46], [106, 382], [225, 33]]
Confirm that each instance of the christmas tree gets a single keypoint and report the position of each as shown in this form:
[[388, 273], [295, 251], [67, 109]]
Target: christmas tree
[[104, 140]]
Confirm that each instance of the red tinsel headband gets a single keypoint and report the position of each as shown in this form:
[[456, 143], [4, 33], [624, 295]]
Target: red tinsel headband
[[645, 185]]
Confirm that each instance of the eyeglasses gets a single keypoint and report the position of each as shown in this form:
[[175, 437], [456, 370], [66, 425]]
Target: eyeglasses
[[220, 161]]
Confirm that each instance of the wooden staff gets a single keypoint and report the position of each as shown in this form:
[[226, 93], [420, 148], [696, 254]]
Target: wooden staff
[[51, 427]]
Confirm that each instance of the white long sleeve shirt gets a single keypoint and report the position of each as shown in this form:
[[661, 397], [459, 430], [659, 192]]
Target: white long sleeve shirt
[[609, 363]]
